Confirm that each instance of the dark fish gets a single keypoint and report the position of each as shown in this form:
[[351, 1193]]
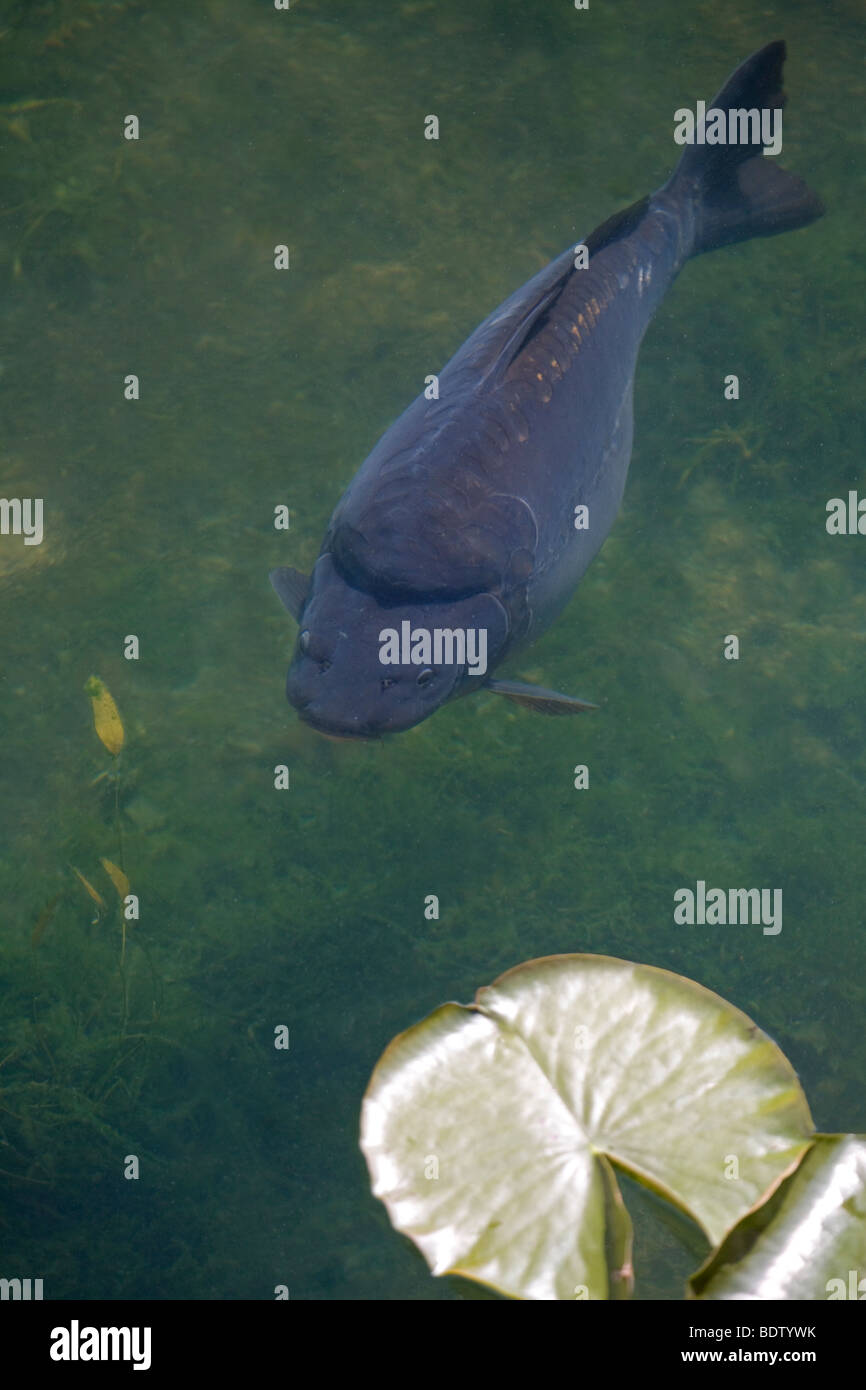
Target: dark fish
[[461, 523]]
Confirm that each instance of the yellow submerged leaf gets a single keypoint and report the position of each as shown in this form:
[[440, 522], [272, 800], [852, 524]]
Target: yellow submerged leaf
[[94, 893], [106, 717], [44, 920], [117, 876]]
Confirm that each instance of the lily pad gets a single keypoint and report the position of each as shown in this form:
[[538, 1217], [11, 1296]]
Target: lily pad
[[492, 1131], [808, 1241]]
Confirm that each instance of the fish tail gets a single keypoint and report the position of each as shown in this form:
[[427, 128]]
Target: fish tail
[[736, 191]]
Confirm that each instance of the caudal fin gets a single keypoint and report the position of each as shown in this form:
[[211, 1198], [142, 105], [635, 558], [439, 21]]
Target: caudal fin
[[739, 192]]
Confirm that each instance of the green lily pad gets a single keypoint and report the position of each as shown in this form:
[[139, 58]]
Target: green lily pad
[[808, 1241], [492, 1132]]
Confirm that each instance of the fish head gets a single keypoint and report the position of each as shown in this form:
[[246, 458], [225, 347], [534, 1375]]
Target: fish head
[[365, 666]]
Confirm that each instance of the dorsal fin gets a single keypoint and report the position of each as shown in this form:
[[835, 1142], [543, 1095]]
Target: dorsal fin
[[531, 324], [622, 224]]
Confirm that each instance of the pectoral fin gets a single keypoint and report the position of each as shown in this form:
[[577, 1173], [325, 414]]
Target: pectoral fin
[[291, 588], [541, 700]]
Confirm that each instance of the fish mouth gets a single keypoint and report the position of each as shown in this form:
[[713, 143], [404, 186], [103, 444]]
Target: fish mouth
[[339, 733], [344, 738]]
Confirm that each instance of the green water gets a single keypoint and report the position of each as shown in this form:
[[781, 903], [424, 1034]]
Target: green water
[[306, 908]]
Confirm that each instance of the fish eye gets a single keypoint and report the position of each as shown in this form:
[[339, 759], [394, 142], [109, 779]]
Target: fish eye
[[425, 676], [304, 641]]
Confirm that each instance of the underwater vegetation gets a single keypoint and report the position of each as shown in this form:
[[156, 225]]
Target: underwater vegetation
[[78, 1011], [115, 1038]]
